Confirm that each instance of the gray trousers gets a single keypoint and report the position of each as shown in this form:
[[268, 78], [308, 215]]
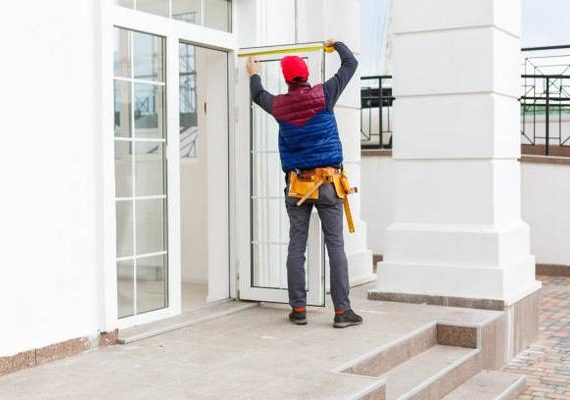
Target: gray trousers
[[330, 209]]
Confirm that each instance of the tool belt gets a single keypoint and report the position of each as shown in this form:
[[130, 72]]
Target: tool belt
[[305, 184]]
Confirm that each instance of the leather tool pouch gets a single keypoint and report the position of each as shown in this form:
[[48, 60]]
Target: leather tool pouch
[[299, 187]]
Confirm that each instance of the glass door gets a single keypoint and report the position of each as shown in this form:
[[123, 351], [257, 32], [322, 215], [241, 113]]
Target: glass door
[[140, 172], [264, 277]]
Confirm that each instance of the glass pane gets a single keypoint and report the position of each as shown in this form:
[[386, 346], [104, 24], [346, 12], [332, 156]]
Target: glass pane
[[151, 224], [269, 217], [124, 212], [269, 179], [123, 169], [151, 284], [269, 267], [158, 7], [149, 169], [122, 53], [122, 108], [148, 58], [149, 111], [188, 101], [187, 10], [218, 14], [125, 288]]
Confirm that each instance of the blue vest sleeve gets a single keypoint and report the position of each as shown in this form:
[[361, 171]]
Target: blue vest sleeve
[[334, 87], [259, 95]]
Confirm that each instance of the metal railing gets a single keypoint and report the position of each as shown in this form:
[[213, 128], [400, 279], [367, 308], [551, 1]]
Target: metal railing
[[376, 112], [544, 107], [545, 112], [545, 100]]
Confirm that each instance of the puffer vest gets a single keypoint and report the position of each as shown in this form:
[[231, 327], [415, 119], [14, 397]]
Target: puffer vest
[[308, 133]]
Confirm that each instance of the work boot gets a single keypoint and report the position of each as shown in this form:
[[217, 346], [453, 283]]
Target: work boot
[[298, 317], [346, 319]]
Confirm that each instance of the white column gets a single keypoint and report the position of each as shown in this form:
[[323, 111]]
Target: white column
[[457, 229]]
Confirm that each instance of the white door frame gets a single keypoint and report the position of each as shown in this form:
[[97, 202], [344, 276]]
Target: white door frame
[[242, 180], [174, 31]]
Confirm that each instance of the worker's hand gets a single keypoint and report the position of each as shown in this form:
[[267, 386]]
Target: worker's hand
[[253, 66], [329, 45]]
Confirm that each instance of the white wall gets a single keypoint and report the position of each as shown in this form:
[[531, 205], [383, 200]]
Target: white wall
[[50, 169], [545, 199], [376, 182]]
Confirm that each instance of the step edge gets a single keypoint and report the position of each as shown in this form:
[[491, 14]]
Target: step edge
[[183, 324], [440, 374], [514, 389], [375, 384], [378, 350]]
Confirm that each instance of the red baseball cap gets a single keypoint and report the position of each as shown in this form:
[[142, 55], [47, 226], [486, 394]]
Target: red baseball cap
[[294, 69]]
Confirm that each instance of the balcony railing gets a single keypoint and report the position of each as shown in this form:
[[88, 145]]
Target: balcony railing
[[376, 112], [544, 104]]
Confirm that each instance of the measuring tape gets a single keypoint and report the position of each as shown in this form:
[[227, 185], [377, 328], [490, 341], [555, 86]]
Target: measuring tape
[[283, 51]]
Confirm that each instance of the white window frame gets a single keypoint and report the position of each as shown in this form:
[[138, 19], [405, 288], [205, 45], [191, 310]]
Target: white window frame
[[174, 32]]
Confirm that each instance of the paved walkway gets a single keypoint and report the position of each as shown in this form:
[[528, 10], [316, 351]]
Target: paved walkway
[[547, 362]]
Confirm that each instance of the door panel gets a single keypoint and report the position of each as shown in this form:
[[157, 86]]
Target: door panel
[[263, 275], [140, 173]]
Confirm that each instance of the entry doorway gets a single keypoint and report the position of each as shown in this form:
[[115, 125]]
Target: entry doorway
[[204, 126], [264, 233]]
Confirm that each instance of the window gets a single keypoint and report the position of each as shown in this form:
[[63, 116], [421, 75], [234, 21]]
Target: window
[[188, 101], [215, 14], [140, 172]]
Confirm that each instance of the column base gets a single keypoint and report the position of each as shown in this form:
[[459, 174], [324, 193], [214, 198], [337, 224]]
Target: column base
[[507, 282]]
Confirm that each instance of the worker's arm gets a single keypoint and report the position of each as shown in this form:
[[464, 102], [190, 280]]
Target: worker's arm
[[259, 95], [334, 87]]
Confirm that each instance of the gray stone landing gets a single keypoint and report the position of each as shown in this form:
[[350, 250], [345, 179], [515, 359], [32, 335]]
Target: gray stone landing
[[402, 351]]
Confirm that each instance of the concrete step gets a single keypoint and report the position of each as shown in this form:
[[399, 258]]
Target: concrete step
[[197, 315], [431, 374], [490, 385]]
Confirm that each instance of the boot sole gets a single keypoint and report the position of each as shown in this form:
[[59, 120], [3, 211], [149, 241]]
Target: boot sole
[[346, 324], [299, 322]]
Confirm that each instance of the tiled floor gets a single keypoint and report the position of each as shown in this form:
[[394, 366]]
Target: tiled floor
[[547, 362]]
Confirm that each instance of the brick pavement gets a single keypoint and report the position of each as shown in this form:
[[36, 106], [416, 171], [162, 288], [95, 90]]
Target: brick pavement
[[547, 362]]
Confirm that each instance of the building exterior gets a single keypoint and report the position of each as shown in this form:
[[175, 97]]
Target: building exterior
[[151, 184], [142, 194]]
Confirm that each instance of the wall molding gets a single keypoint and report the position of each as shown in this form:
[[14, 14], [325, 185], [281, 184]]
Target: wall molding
[[56, 351]]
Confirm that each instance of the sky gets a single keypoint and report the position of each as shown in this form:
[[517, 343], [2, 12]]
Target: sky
[[544, 23]]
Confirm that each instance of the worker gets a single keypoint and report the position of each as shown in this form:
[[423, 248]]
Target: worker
[[309, 145]]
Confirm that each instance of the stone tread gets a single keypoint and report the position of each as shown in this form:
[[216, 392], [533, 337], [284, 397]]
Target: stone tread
[[489, 385], [423, 369]]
